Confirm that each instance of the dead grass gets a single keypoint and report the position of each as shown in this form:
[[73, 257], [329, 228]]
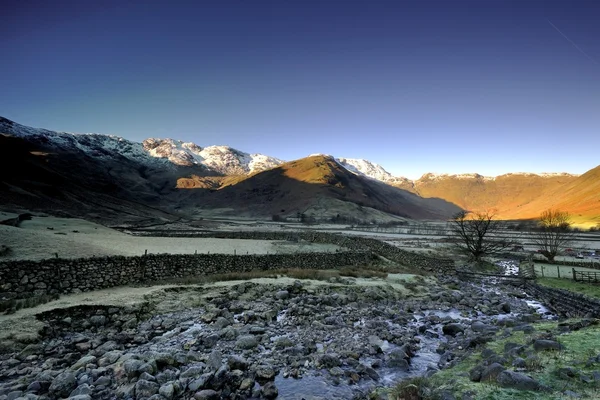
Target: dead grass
[[295, 273]]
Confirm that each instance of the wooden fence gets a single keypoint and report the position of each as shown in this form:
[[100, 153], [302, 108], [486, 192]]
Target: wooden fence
[[586, 276]]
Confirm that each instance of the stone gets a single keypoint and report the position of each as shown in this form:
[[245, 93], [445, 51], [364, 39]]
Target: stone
[[330, 360], [144, 388], [206, 394], [82, 389], [215, 360], [246, 342], [282, 295], [269, 391], [264, 373], [98, 320], [193, 372], [83, 361], [543, 345], [453, 329], [167, 391], [237, 362], [490, 373], [63, 384], [516, 380], [200, 382]]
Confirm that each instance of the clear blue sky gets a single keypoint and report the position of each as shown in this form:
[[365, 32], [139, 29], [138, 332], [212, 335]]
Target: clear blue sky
[[417, 86]]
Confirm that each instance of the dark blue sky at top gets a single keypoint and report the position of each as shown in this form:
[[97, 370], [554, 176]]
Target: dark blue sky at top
[[416, 86]]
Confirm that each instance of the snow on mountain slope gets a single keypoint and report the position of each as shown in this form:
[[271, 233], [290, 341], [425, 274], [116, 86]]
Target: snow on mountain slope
[[365, 168], [151, 153], [222, 159]]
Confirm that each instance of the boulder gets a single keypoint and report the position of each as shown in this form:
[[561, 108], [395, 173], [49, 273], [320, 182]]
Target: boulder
[[516, 380]]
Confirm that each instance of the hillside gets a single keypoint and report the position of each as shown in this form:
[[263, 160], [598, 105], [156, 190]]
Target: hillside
[[580, 197], [308, 184], [508, 194]]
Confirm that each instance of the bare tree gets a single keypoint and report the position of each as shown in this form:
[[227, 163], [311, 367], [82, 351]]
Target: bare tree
[[554, 233], [477, 234]]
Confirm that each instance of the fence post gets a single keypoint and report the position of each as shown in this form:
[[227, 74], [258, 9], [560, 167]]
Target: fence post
[[558, 271], [574, 275], [542, 271]]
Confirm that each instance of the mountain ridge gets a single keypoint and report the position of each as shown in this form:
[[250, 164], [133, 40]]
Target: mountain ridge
[[162, 167]]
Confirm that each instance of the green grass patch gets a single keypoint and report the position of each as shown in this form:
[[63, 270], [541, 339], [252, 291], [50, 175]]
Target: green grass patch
[[582, 348], [587, 289]]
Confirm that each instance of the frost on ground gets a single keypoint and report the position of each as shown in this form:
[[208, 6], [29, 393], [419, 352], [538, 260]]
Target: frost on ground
[[46, 237]]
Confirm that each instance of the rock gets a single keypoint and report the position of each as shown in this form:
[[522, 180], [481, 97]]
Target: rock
[[247, 383], [516, 380], [479, 326], [490, 373], [542, 345], [269, 391], [167, 391], [246, 342], [215, 360], [109, 358], [98, 320], [453, 329], [264, 373], [525, 328], [133, 367], [222, 322], [193, 372], [82, 389], [206, 394], [282, 294], [83, 361], [144, 388], [201, 382], [567, 372], [283, 342], [63, 384], [329, 360], [398, 359], [14, 395], [475, 373], [237, 362]]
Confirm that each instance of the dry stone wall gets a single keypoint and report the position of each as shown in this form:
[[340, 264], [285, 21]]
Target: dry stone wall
[[21, 279], [356, 243], [567, 303]]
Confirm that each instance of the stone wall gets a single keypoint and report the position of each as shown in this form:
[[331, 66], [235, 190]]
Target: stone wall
[[564, 302], [21, 279], [403, 257]]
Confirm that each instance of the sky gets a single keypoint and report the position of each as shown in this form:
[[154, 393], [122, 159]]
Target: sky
[[423, 86]]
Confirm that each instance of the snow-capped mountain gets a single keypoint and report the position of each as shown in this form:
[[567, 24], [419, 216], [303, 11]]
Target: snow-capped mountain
[[365, 168], [151, 153], [225, 160], [222, 159]]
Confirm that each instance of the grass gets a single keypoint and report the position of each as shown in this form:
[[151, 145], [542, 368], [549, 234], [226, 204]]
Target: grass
[[296, 273], [587, 289], [580, 346], [552, 270]]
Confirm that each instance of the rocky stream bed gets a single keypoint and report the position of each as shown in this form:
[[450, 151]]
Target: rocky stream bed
[[291, 340]]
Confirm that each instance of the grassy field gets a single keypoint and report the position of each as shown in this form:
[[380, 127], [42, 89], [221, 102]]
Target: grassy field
[[558, 271], [578, 287], [581, 347]]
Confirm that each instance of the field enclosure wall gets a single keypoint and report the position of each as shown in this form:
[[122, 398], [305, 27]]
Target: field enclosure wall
[[19, 279]]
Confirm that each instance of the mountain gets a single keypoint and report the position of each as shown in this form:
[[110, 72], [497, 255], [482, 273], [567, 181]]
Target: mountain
[[580, 196], [318, 186], [71, 173], [506, 194], [108, 178]]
